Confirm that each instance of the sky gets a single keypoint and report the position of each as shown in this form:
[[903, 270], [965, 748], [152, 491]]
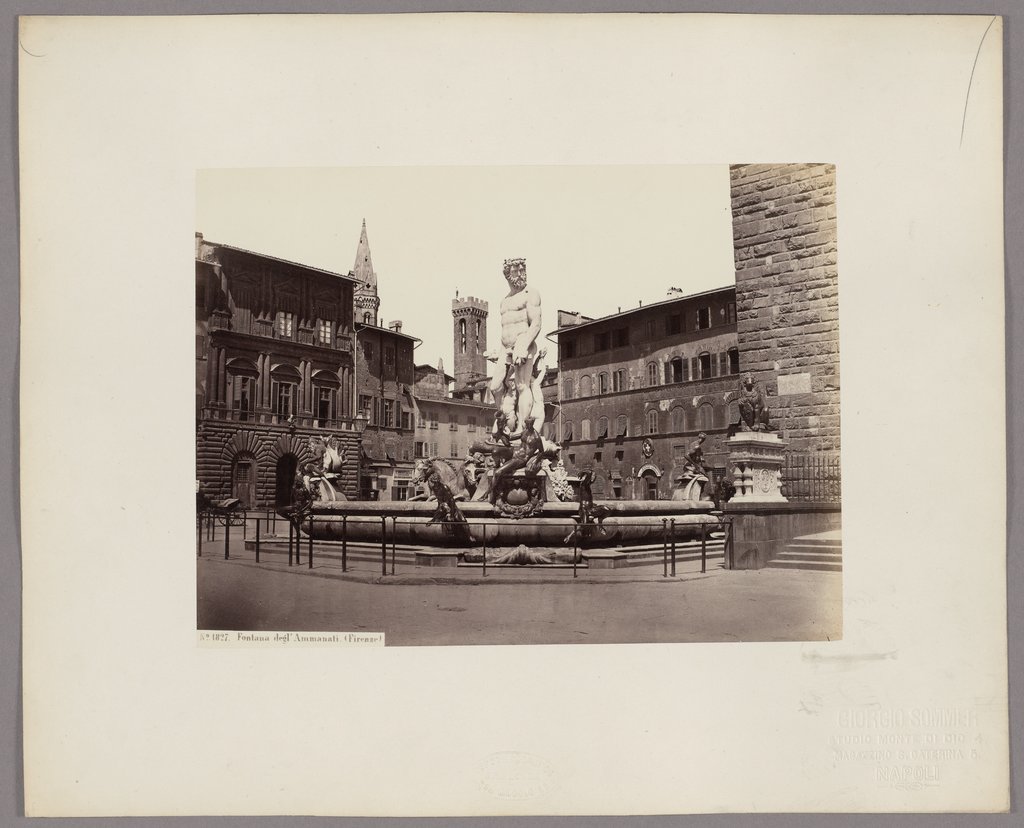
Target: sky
[[595, 239]]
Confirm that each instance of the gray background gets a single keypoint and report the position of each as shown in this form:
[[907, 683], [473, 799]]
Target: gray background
[[11, 806]]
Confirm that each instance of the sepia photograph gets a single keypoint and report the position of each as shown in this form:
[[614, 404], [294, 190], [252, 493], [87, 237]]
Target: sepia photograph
[[535, 439], [573, 405]]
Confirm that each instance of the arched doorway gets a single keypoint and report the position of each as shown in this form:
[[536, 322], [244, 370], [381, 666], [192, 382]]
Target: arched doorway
[[287, 465], [243, 480]]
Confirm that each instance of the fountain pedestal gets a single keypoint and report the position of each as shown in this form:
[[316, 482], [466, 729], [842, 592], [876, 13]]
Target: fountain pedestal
[[756, 459]]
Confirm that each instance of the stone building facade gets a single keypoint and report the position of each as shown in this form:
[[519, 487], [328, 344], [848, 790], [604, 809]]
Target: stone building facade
[[635, 389], [274, 367], [384, 379], [787, 294]]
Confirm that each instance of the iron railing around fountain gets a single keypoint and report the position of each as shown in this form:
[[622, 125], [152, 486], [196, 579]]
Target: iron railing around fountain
[[266, 521]]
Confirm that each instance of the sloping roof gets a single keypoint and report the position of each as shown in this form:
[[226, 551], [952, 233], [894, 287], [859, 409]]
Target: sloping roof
[[278, 259]]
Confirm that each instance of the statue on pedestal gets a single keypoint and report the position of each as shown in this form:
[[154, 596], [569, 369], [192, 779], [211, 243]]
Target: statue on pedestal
[[753, 406]]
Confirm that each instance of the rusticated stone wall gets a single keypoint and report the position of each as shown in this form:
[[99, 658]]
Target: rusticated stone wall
[[219, 444], [787, 294]]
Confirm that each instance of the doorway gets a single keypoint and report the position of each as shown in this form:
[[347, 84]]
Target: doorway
[[287, 465], [243, 484]]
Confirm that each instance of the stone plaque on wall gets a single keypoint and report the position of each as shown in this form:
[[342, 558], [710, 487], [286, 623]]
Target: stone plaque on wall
[[794, 384]]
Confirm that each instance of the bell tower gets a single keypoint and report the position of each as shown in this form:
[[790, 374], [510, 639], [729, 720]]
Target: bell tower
[[365, 301], [469, 339]]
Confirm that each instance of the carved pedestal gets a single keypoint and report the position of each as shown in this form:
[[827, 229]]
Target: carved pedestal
[[756, 460], [520, 495]]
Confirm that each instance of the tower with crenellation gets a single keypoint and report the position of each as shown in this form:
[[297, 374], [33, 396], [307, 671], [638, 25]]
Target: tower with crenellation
[[469, 333]]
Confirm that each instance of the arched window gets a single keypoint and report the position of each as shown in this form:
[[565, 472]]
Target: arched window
[[676, 366], [705, 416], [366, 318], [619, 381], [478, 343], [652, 421], [652, 374], [597, 488], [621, 425], [567, 389], [567, 430], [584, 429], [678, 419], [733, 415], [734, 360], [585, 386], [462, 336], [602, 428], [705, 365], [602, 383]]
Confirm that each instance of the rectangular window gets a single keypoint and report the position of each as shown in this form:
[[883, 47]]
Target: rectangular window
[[433, 419], [243, 392], [730, 313], [433, 450], [677, 370], [674, 324], [324, 406], [284, 324], [324, 332], [368, 350], [453, 422], [389, 355], [568, 348], [471, 423], [422, 422], [366, 406], [420, 449], [601, 341], [389, 414], [703, 318], [283, 394], [406, 421], [619, 381], [567, 389], [455, 449], [620, 337], [652, 328]]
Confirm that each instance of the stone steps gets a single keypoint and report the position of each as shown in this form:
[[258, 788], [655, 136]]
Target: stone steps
[[811, 555]]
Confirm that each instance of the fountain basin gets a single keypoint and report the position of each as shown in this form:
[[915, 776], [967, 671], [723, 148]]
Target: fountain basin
[[628, 522]]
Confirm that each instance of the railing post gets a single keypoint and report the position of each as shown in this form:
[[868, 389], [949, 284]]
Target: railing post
[[394, 533], [310, 540], [227, 536], [291, 528], [383, 544], [199, 535], [344, 543], [703, 547], [245, 525], [664, 547], [257, 540], [575, 546], [483, 557], [673, 536]]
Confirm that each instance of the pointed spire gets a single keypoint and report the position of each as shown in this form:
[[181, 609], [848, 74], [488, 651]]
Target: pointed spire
[[363, 268]]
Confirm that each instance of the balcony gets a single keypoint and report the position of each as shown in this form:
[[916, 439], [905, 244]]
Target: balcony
[[270, 418]]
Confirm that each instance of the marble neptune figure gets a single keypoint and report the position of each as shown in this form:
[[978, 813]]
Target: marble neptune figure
[[515, 386]]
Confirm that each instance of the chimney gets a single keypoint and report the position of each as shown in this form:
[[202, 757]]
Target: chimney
[[396, 325]]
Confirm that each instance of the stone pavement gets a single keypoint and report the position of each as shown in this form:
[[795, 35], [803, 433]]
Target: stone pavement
[[457, 605]]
